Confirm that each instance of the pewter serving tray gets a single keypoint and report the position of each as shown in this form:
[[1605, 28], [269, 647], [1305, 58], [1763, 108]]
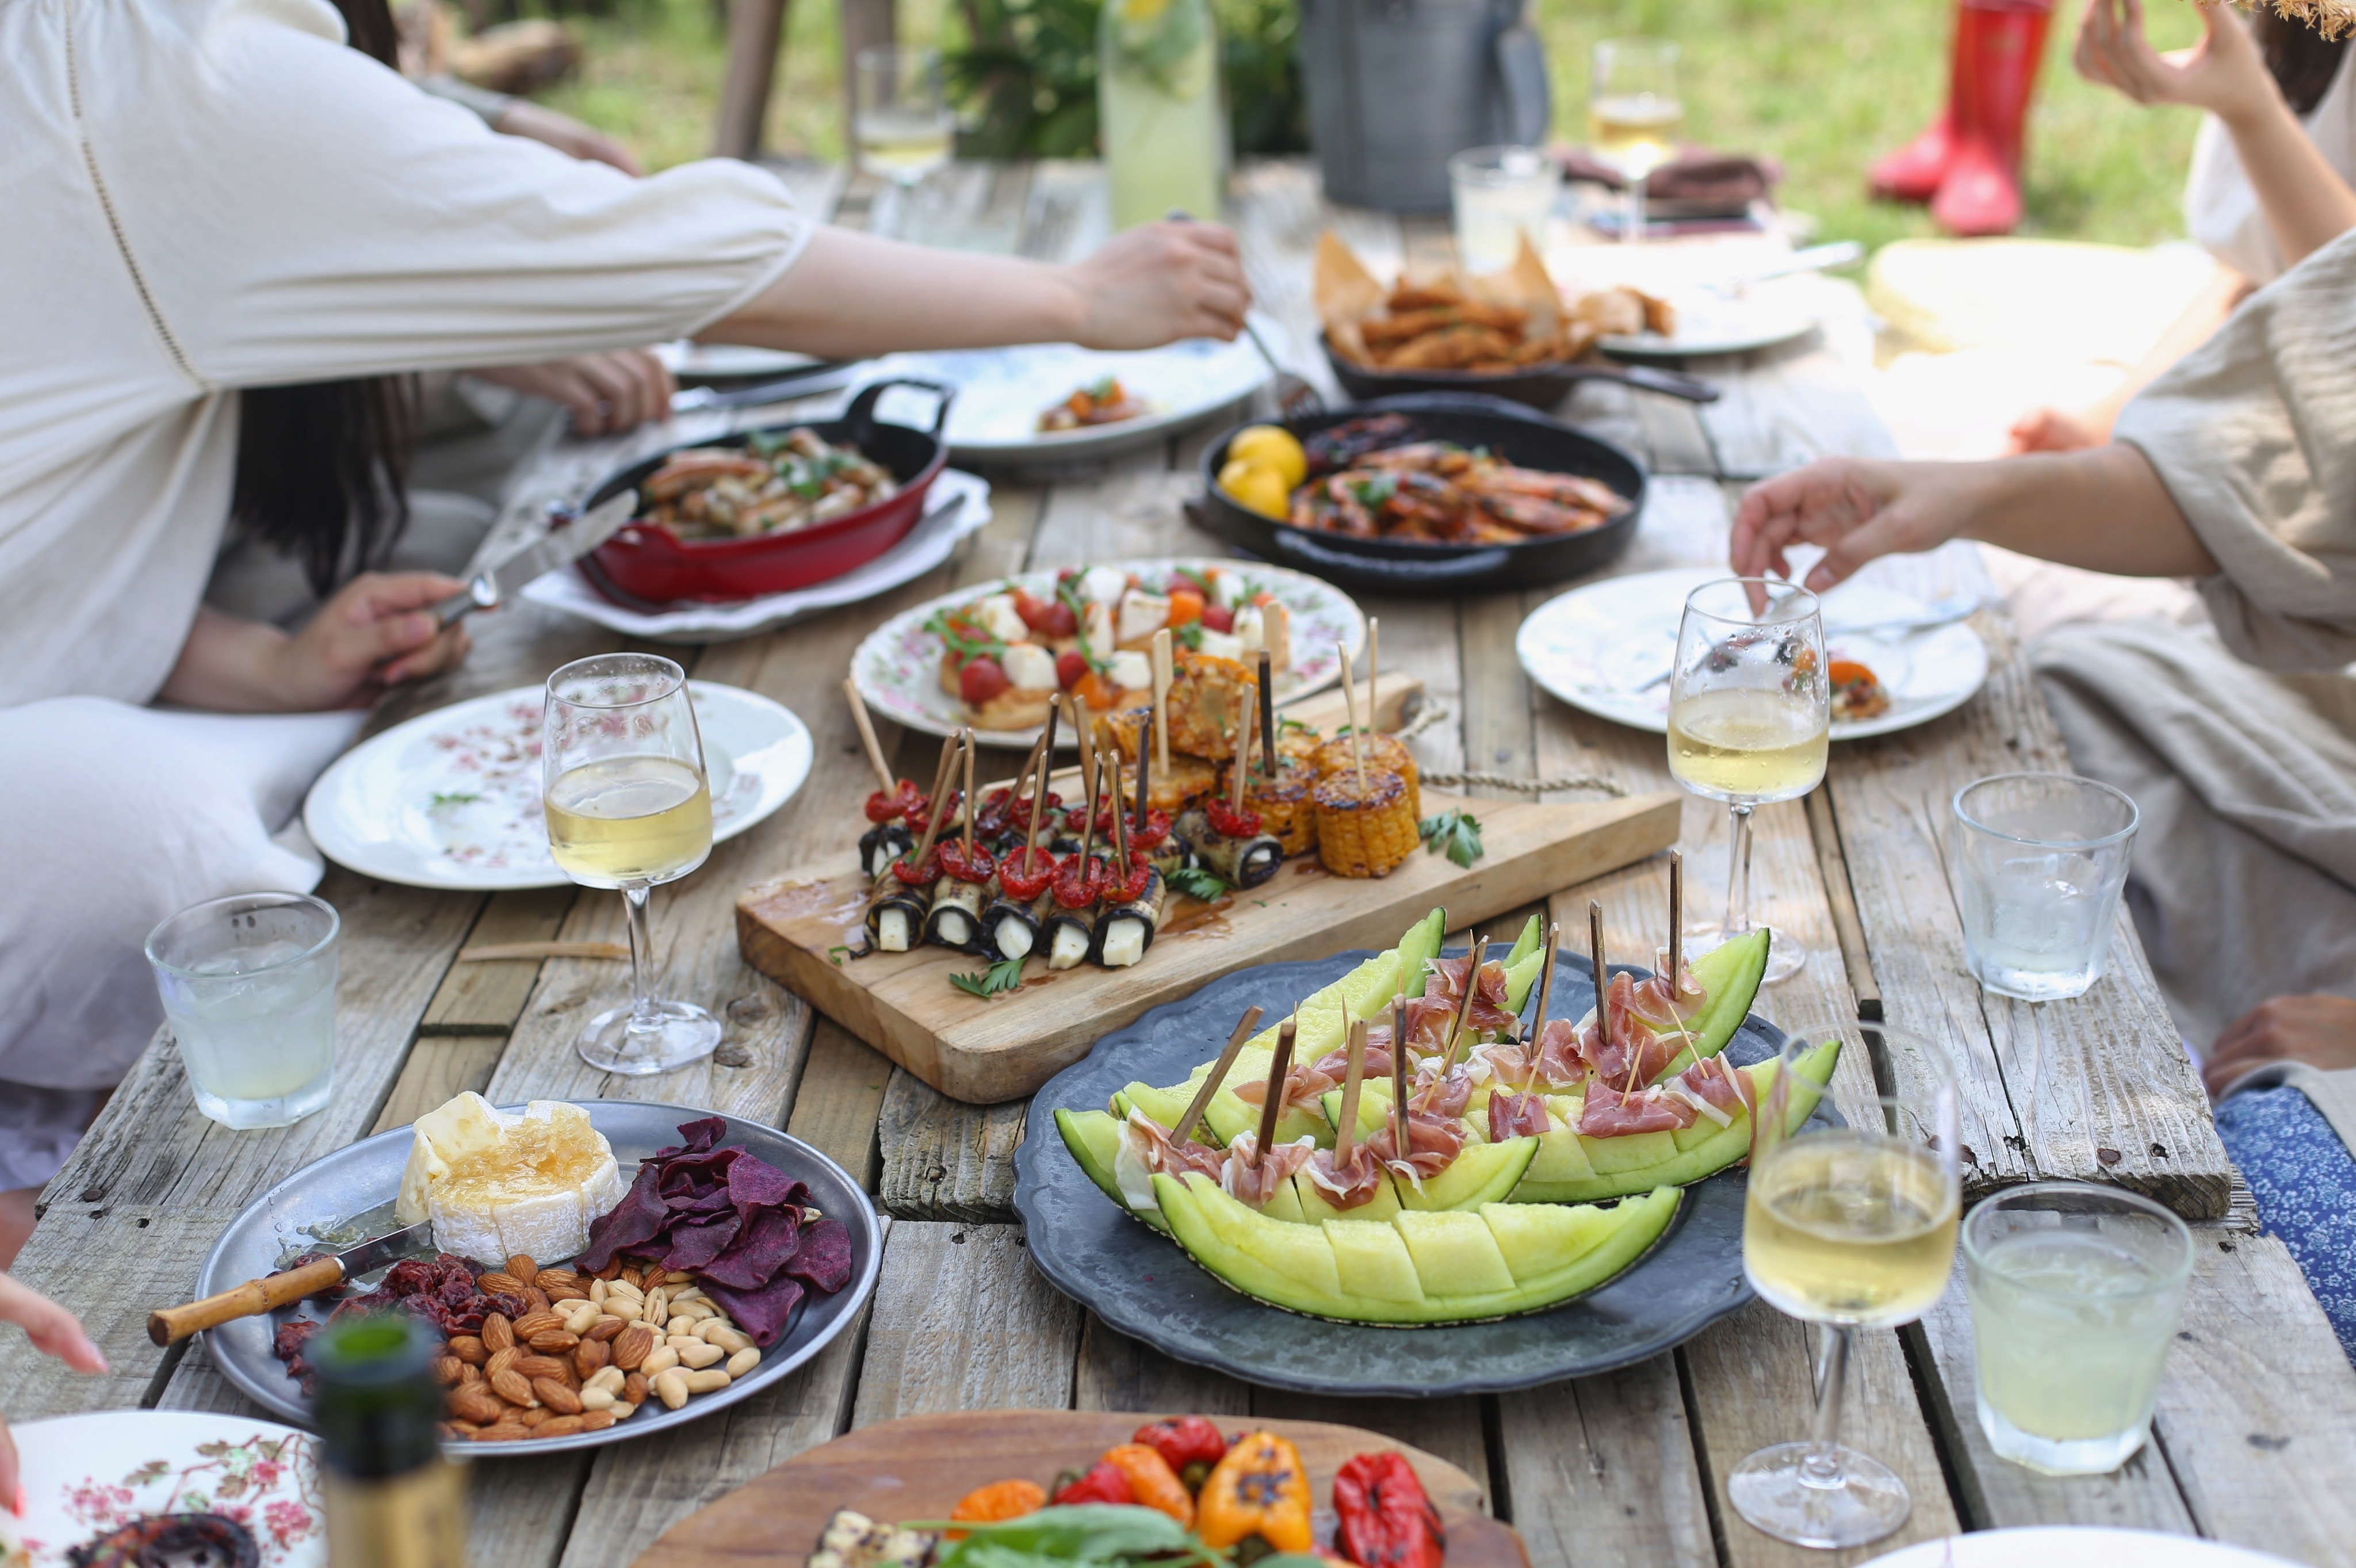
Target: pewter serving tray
[[1143, 1284], [348, 1197]]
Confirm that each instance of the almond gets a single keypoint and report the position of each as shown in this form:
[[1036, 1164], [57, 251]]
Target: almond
[[533, 1417], [596, 1419], [502, 1359], [552, 1341], [612, 1271], [498, 1334], [635, 1280], [469, 1374], [513, 1387], [544, 1367], [560, 1426], [535, 1299], [549, 1278], [478, 1405], [449, 1372], [504, 1432], [631, 1347], [470, 1348], [556, 1396], [458, 1431], [531, 1323], [497, 1283], [590, 1355], [523, 1268], [559, 1294], [605, 1329], [634, 1388]]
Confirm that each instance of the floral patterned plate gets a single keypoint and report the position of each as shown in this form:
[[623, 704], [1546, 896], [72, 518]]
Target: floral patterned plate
[[452, 797], [86, 1476], [898, 667]]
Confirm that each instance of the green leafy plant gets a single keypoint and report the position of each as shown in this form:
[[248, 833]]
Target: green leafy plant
[[1002, 976], [1456, 834], [1198, 882]]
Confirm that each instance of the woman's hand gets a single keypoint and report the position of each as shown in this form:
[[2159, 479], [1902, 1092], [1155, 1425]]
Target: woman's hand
[[2318, 1030], [2055, 430], [378, 631], [1856, 509], [54, 1332], [1161, 282], [608, 393], [566, 134], [2222, 73]]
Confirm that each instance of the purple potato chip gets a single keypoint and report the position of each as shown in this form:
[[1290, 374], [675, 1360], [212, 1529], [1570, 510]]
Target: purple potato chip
[[754, 1182], [693, 1246], [767, 1243], [763, 1313], [638, 1218], [702, 1135], [823, 1261]]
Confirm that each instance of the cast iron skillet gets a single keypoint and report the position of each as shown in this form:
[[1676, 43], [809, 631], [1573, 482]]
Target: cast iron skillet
[[1540, 386], [1418, 569]]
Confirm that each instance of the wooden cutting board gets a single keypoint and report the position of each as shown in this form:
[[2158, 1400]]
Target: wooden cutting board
[[799, 928], [918, 1468]]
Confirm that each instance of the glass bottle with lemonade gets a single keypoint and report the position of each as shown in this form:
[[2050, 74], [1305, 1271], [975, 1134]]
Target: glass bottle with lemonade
[[1159, 108]]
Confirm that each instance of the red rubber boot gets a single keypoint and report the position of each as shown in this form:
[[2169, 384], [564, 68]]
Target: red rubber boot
[[1999, 45], [1915, 171]]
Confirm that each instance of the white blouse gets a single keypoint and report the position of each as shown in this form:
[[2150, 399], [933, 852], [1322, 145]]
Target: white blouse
[[2221, 210], [198, 196]]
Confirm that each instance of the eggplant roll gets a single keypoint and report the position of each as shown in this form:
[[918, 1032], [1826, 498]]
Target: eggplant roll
[[1125, 930], [1012, 930], [1172, 854], [881, 844], [955, 918], [895, 914], [1238, 861], [1070, 934]]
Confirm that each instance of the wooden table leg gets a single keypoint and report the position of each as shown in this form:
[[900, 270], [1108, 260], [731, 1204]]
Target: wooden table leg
[[756, 29]]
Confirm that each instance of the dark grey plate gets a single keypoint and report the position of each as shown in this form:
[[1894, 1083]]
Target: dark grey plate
[[347, 1196], [1142, 1284]]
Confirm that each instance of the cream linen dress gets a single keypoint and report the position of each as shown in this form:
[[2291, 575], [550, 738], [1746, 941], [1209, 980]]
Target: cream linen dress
[[201, 195]]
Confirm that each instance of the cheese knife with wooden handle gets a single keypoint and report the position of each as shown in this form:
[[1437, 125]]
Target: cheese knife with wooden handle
[[170, 1325]]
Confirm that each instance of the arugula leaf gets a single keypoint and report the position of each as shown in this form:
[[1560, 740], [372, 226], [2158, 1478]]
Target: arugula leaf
[[454, 797], [964, 644], [1198, 882], [1189, 636], [1456, 834], [1004, 975], [1201, 580], [1073, 1533]]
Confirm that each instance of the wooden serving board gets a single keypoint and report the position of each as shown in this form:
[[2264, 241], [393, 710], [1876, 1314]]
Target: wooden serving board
[[798, 928], [916, 1468]]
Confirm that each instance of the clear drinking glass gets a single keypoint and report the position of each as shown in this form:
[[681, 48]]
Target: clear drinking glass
[[900, 117], [1749, 722], [1848, 1228], [623, 784], [1501, 194], [2075, 1292], [2040, 861], [1635, 115], [249, 989]]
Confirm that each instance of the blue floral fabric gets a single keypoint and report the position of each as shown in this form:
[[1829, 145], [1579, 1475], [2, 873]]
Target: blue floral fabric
[[2304, 1182]]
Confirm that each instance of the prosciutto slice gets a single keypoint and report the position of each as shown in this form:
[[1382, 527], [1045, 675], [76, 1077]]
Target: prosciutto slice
[[1516, 1116], [1437, 1096], [1490, 1014], [1619, 1047], [1715, 1082], [1350, 1185], [1608, 1114], [1559, 1064], [1255, 1185], [1150, 1142], [1652, 1001], [1303, 1085], [1432, 1146]]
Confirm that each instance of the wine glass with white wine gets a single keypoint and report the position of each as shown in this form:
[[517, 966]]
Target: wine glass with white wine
[[622, 785], [1749, 722], [1635, 115], [1846, 1227]]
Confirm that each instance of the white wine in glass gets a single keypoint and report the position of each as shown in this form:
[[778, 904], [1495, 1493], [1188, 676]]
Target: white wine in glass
[[1749, 722], [624, 788], [1848, 1228], [1634, 116]]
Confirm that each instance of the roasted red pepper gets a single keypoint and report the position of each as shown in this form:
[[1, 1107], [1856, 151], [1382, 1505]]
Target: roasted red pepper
[[975, 867], [1104, 1483], [923, 876], [1128, 888], [1191, 1443], [1149, 834], [1227, 820], [1386, 1520], [1018, 812], [902, 803], [1025, 874]]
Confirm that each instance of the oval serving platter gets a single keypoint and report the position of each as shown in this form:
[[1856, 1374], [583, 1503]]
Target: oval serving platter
[[350, 1192], [1142, 1284]]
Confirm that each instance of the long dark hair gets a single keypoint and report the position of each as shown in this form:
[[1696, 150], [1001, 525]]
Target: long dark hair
[[322, 467], [2303, 61]]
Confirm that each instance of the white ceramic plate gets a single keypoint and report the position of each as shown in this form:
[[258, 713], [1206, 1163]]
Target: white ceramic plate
[[88, 1474], [898, 667], [2063, 1546], [1002, 393], [1709, 325], [1596, 646], [452, 797], [690, 360]]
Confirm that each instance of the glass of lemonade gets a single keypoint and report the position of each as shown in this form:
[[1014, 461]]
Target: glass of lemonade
[[2076, 1290], [622, 785], [1850, 1226], [1749, 722], [900, 116], [1635, 115], [2041, 859], [1501, 194], [249, 989]]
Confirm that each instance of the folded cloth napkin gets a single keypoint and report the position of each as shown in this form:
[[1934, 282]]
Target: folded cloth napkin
[[1697, 177]]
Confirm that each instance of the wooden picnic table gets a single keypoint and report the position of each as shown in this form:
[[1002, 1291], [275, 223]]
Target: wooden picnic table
[[2255, 1437]]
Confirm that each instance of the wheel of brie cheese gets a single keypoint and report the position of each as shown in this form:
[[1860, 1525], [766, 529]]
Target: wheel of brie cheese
[[497, 1183]]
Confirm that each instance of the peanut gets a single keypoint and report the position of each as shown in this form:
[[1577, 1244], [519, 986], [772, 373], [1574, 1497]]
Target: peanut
[[597, 1398], [502, 1359], [501, 1282], [610, 1378], [623, 1411], [560, 1426], [498, 1334], [680, 1323], [470, 1348], [513, 1387], [478, 1405], [605, 1327], [448, 1370], [692, 1306], [743, 1361], [634, 1388], [729, 1340], [551, 1341], [661, 1359], [627, 1288], [589, 1355], [657, 1307], [622, 1307], [582, 1317], [556, 1396], [597, 1289], [700, 1355], [677, 1277], [523, 1268], [596, 1419], [631, 1347], [671, 1389], [705, 1381]]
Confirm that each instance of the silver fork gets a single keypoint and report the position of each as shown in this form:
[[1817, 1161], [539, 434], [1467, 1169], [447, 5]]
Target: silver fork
[[1295, 398]]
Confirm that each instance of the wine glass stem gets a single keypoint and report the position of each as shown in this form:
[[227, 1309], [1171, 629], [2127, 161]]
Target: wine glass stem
[[636, 896], [1634, 228], [1738, 873], [1822, 1467]]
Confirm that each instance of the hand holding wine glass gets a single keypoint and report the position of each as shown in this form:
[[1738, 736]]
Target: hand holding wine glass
[[627, 804]]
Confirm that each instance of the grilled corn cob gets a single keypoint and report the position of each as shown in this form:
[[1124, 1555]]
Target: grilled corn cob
[[1363, 833], [1283, 804], [1383, 751]]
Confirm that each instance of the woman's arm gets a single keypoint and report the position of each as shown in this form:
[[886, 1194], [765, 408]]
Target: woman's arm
[[378, 631], [2306, 204], [2104, 509], [2060, 430]]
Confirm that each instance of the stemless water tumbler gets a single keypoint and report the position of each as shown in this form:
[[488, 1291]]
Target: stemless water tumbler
[[1501, 195], [2075, 1294], [2040, 861], [248, 989]]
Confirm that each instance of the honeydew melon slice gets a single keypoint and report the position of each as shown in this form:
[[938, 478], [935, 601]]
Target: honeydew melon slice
[[1094, 1139], [1493, 1263]]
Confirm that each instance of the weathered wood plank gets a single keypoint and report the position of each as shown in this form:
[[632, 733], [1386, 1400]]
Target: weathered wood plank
[[110, 1265], [1131, 510], [1498, 737], [837, 1101], [440, 1068], [1117, 1372], [1450, 1428], [944, 1159], [1601, 1470], [962, 1321], [1840, 900], [488, 997]]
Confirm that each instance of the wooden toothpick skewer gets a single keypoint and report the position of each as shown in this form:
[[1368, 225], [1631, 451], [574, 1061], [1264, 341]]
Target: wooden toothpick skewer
[[1044, 764], [1464, 1008], [1119, 817], [1546, 997], [1219, 1070], [1269, 733], [1374, 662], [867, 737], [1350, 702], [1280, 1068], [1346, 1131], [1676, 925], [1162, 698], [1398, 1076], [1595, 953], [1089, 778], [1145, 770], [969, 810], [941, 776], [1237, 775]]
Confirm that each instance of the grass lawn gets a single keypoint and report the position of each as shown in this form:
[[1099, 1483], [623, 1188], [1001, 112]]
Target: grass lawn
[[1825, 85]]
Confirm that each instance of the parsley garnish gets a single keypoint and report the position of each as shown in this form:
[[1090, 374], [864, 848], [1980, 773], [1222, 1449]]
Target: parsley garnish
[[1198, 882], [1456, 834], [1372, 493], [964, 644], [454, 797], [835, 954], [1004, 975], [1189, 636]]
